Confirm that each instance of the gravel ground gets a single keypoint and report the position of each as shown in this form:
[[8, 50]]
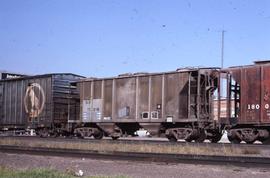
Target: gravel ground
[[131, 169]]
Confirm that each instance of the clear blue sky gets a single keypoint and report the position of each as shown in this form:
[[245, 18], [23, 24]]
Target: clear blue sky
[[109, 37]]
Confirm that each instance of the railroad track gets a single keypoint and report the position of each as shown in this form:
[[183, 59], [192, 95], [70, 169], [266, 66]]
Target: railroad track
[[245, 161], [139, 141]]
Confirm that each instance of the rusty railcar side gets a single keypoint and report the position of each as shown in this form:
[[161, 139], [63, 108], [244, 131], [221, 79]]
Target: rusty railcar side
[[250, 88], [254, 85], [162, 103], [41, 102]]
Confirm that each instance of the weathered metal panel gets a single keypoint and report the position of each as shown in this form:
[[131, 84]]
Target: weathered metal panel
[[91, 110], [86, 93], [176, 95], [1, 101], [42, 112], [38, 100], [143, 98], [265, 94], [107, 104], [25, 101], [251, 94], [155, 97], [125, 98], [97, 90], [254, 93], [85, 96], [86, 110]]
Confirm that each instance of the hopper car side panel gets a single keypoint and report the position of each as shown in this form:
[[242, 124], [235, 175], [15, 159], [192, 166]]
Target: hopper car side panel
[[137, 99], [174, 103]]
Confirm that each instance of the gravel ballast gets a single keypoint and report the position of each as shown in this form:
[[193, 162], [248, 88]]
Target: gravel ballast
[[92, 167]]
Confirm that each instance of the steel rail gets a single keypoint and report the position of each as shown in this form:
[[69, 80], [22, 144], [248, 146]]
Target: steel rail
[[136, 141]]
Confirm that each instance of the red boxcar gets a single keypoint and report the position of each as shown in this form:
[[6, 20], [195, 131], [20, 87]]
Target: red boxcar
[[249, 89]]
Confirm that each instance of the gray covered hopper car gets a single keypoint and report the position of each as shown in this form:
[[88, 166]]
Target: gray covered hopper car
[[42, 102], [175, 104]]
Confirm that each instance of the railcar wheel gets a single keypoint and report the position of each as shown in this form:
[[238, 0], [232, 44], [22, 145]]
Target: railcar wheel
[[99, 135], [265, 141], [44, 133], [216, 138], [114, 137], [54, 134], [234, 140], [77, 136], [172, 139], [201, 137], [188, 140], [81, 135], [250, 142]]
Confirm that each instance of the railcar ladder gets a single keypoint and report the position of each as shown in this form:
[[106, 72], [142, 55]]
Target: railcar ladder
[[235, 93]]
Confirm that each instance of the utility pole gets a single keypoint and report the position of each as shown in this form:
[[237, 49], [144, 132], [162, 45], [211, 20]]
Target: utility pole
[[222, 49]]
